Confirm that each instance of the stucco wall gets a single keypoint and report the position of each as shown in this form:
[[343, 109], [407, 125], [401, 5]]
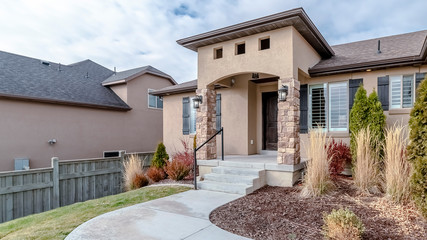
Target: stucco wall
[[304, 56], [276, 61], [25, 128]]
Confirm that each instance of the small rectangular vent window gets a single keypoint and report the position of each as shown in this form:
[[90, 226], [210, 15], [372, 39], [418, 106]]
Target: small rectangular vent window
[[108, 154], [217, 53], [240, 48], [264, 43]]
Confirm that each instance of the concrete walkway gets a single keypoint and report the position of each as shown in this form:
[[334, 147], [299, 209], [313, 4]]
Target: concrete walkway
[[180, 216]]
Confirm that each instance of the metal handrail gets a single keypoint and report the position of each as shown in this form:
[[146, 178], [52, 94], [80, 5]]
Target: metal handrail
[[197, 148]]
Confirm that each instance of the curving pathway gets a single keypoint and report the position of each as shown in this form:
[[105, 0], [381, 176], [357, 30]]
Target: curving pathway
[[181, 216]]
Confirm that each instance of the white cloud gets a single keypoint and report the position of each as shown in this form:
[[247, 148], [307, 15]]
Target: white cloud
[[128, 34]]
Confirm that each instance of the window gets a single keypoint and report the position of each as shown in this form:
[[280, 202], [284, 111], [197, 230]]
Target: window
[[264, 44], [328, 106], [217, 53], [240, 48], [402, 91], [154, 101]]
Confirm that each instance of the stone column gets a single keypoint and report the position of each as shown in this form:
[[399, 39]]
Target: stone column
[[206, 124], [288, 128]]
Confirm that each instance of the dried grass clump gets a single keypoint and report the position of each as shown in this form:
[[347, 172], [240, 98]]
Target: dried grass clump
[[133, 174], [397, 167], [317, 178], [366, 174], [156, 174], [342, 224], [178, 169]]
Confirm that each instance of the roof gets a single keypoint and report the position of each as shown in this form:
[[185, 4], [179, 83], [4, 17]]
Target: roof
[[397, 50], [125, 76], [189, 86], [76, 84], [295, 17]]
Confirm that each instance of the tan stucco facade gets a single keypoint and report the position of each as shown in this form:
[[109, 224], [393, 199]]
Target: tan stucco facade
[[80, 132], [289, 56]]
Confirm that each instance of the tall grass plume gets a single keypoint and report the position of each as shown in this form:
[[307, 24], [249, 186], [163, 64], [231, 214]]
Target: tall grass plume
[[317, 177], [366, 173], [133, 175], [397, 167]]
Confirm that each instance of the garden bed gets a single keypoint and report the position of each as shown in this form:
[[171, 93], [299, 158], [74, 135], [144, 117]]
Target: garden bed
[[280, 213]]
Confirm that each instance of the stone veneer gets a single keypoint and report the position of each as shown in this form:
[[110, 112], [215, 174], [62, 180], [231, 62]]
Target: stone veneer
[[288, 115], [206, 124]]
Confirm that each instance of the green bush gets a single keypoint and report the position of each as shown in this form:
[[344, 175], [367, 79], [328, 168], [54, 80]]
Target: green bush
[[367, 112], [160, 156], [376, 121], [359, 118], [342, 224], [417, 148]]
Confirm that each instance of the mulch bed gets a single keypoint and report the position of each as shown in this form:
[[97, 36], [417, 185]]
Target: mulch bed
[[280, 213]]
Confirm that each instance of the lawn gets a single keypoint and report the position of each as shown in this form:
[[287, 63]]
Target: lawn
[[58, 223]]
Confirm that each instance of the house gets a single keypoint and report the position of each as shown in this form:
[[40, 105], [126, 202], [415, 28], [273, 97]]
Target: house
[[81, 110], [243, 67]]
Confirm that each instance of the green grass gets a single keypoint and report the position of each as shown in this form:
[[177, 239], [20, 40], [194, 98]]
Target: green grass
[[58, 223]]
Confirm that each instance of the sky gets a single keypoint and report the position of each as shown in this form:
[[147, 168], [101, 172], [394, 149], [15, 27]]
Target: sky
[[132, 33]]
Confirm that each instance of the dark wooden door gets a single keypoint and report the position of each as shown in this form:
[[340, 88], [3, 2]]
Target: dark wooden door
[[269, 112]]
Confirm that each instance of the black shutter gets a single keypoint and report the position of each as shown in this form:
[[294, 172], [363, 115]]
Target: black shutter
[[303, 119], [418, 78], [218, 112], [383, 92], [186, 115], [353, 85]]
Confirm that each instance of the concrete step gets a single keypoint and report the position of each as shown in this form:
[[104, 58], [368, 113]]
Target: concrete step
[[228, 178], [239, 171], [235, 188], [241, 164]]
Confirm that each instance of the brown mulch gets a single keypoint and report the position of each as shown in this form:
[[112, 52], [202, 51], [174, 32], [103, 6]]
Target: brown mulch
[[280, 213]]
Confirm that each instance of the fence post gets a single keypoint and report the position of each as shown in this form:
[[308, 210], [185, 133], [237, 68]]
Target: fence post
[[122, 160], [55, 179]]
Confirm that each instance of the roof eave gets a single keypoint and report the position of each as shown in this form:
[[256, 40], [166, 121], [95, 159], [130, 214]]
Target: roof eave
[[236, 31], [125, 80], [62, 102], [174, 91]]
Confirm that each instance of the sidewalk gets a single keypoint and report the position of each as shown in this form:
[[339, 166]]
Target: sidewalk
[[180, 216]]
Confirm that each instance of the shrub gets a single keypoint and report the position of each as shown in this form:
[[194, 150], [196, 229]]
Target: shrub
[[367, 112], [366, 174], [342, 224], [156, 174], [177, 169], [186, 156], [317, 179], [358, 116], [160, 156], [417, 149], [339, 154], [376, 120], [397, 168], [133, 175]]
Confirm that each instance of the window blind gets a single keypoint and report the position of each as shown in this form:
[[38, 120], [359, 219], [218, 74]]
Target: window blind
[[407, 89], [338, 97], [395, 88], [318, 106]]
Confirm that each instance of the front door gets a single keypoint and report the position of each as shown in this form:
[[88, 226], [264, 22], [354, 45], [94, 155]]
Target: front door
[[269, 115]]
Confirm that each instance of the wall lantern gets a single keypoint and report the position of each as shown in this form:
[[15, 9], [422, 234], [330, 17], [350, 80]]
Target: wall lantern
[[197, 101], [283, 93]]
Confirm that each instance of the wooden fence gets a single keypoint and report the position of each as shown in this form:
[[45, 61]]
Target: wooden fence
[[33, 191]]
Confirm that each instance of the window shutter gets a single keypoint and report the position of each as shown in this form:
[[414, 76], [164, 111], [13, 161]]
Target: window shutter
[[383, 91], [218, 112], [418, 78], [353, 85], [186, 115], [303, 120]]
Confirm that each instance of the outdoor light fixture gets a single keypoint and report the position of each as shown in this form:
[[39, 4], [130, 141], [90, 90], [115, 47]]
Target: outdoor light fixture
[[197, 101], [255, 75], [283, 93]]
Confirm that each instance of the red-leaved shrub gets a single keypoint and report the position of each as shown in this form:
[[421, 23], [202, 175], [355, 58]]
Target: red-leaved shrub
[[139, 181], [177, 169], [186, 157], [339, 154], [156, 174]]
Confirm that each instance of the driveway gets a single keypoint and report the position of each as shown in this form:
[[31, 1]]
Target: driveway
[[180, 216]]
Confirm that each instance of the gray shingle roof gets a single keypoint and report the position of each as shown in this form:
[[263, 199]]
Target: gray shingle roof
[[189, 86], [132, 73], [396, 49], [77, 84]]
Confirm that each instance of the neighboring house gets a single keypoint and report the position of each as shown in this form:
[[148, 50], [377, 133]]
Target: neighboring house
[[242, 67], [75, 111]]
